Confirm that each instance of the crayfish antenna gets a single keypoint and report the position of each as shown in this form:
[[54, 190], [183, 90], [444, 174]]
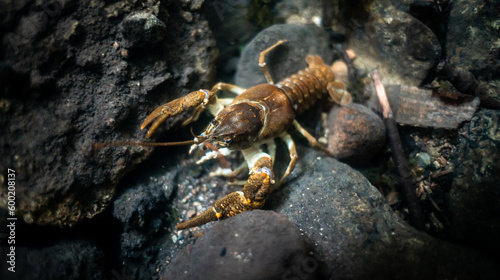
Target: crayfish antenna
[[96, 146]]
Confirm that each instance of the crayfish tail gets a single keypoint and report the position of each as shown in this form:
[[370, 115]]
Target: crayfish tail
[[205, 217], [338, 93]]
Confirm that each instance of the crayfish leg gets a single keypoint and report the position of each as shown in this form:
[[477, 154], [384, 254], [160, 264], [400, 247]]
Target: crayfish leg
[[262, 61], [293, 159], [312, 141], [228, 172]]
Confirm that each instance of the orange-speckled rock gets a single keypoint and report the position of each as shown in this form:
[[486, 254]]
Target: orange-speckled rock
[[356, 133]]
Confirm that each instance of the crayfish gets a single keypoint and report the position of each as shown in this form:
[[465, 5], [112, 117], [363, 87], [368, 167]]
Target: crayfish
[[253, 119]]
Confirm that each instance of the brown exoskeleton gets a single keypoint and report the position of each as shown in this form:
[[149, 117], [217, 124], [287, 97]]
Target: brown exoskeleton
[[255, 117]]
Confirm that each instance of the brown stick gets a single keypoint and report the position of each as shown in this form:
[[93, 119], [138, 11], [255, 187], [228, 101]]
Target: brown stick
[[416, 217]]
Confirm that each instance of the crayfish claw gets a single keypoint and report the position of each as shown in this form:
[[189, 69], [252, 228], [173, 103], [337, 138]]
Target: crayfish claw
[[158, 116], [228, 206], [207, 216], [198, 99], [253, 196]]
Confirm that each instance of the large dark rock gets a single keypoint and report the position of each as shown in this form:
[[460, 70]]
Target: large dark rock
[[472, 41], [69, 82], [356, 234], [402, 48], [234, 24], [475, 192], [144, 211], [68, 259], [472, 37], [253, 245]]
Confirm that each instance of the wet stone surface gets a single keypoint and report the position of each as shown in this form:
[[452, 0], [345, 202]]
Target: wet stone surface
[[170, 188], [142, 30], [356, 234], [401, 47], [478, 22], [71, 82], [355, 133], [144, 213], [472, 41], [67, 259], [475, 192], [242, 247]]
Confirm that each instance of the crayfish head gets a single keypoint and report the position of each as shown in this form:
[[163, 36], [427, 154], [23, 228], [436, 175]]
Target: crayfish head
[[236, 126]]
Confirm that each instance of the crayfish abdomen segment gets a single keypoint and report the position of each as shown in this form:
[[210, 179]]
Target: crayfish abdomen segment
[[309, 85]]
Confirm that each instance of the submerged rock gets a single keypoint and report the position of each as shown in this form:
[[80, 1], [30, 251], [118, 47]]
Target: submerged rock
[[142, 30], [144, 211], [401, 47], [475, 191], [472, 39], [253, 245], [67, 259], [357, 235], [355, 133], [81, 88]]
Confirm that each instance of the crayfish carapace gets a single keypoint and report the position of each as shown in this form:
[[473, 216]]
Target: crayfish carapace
[[255, 117]]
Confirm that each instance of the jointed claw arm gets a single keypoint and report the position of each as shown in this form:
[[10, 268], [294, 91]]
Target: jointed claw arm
[[201, 97], [253, 196]]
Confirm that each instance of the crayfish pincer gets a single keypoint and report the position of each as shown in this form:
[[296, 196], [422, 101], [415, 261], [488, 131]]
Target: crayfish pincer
[[253, 119]]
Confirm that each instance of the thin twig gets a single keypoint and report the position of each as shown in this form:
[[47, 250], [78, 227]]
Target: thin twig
[[416, 217]]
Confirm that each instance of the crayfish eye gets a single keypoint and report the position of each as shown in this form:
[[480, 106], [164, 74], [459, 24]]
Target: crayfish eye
[[227, 141]]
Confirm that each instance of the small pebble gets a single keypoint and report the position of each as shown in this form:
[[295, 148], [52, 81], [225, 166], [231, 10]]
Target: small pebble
[[351, 53], [356, 133], [191, 213], [142, 30], [392, 198], [340, 70], [436, 164], [423, 160], [442, 161], [187, 16]]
